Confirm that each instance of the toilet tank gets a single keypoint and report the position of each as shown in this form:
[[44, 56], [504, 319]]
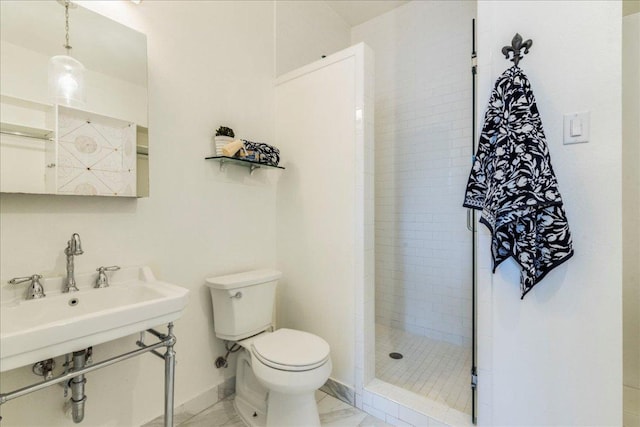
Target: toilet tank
[[243, 303]]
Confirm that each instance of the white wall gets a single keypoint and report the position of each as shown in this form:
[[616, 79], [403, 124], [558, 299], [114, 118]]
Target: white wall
[[555, 358], [306, 30], [320, 201], [423, 146], [631, 213], [198, 220]]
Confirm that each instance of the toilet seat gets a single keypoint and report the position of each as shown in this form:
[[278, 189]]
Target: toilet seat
[[291, 350]]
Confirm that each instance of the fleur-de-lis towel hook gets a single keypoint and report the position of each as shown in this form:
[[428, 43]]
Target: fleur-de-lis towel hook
[[516, 46]]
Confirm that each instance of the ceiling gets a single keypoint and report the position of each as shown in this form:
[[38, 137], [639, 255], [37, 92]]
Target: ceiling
[[355, 12]]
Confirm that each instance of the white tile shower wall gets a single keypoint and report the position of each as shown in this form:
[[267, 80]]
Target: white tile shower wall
[[422, 157]]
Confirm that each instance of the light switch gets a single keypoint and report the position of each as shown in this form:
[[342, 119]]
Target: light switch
[[576, 127]]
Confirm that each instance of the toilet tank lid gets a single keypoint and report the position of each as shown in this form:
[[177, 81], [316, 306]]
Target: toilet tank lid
[[247, 278]]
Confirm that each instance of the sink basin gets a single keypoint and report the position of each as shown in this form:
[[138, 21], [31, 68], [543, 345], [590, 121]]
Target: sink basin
[[34, 330]]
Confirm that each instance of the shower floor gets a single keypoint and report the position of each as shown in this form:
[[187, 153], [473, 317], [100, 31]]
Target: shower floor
[[435, 369]]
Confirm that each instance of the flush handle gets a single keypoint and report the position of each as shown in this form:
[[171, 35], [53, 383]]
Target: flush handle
[[236, 295]]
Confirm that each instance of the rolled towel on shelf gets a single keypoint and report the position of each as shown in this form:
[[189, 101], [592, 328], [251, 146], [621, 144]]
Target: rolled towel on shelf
[[232, 148], [264, 153]]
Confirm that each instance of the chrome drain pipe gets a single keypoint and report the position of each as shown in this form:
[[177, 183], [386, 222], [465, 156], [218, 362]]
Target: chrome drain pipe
[[78, 397]]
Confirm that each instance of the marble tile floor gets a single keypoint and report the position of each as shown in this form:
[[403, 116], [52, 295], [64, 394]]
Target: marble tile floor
[[333, 413], [435, 369]]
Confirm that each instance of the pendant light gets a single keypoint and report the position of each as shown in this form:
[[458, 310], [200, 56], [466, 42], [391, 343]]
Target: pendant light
[[66, 74]]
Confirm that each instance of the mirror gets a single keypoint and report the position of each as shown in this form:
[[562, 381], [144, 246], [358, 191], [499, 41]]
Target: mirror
[[99, 148]]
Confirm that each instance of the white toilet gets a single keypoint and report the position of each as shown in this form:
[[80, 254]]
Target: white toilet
[[278, 372]]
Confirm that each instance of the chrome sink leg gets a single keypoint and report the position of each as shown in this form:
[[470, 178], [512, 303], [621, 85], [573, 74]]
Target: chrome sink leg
[[169, 376]]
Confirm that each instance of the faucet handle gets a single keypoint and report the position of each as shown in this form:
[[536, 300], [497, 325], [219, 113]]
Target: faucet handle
[[35, 290], [103, 281], [32, 278]]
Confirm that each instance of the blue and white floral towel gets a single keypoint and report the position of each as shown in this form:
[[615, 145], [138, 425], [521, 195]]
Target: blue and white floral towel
[[513, 183], [266, 153]]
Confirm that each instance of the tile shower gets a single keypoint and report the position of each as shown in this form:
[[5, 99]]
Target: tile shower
[[423, 124]]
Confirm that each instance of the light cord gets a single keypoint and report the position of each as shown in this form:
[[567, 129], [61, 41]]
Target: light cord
[[66, 27]]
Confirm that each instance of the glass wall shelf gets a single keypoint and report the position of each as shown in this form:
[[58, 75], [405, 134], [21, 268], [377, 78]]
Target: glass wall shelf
[[242, 162]]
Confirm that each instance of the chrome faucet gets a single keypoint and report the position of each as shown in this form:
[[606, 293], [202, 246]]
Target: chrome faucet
[[35, 290], [103, 280], [74, 248]]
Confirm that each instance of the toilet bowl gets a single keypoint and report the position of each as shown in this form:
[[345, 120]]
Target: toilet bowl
[[289, 365], [277, 372]]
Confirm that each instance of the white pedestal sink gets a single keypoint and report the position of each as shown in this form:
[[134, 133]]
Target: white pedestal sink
[[60, 323]]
